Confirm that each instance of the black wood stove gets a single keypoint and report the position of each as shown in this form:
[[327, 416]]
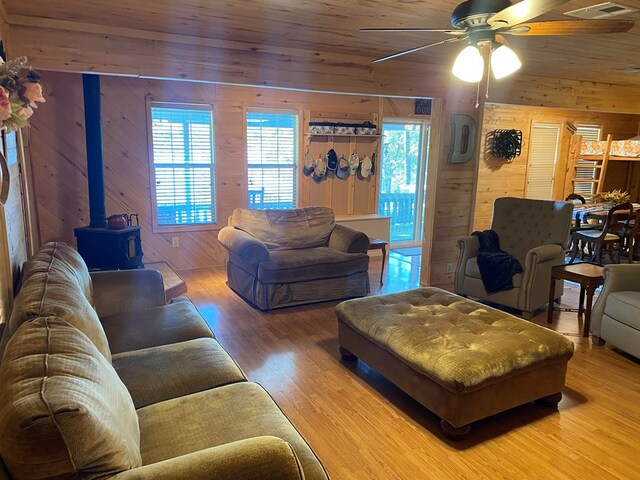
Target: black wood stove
[[102, 247]]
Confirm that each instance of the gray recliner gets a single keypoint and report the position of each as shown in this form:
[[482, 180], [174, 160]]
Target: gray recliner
[[533, 231], [616, 313], [281, 258]]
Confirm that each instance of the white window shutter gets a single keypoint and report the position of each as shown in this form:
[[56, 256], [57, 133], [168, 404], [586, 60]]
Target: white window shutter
[[272, 159], [183, 164]]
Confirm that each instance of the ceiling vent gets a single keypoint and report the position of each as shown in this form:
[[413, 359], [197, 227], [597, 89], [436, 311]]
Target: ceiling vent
[[602, 10]]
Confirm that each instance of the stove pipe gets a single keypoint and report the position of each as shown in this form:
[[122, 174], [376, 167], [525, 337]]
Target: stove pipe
[[95, 162]]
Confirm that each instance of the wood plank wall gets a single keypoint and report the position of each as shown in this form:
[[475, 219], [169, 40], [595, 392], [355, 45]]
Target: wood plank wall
[[498, 178], [58, 158]]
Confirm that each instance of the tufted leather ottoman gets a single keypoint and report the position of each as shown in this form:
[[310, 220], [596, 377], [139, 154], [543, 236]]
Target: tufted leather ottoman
[[462, 360]]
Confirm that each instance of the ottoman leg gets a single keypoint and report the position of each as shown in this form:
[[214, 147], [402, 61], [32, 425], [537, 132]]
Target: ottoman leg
[[550, 401], [347, 355], [454, 433]]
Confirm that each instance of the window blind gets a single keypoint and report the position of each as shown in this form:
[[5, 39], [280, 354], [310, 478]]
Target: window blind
[[183, 162], [272, 153], [583, 170], [543, 152]]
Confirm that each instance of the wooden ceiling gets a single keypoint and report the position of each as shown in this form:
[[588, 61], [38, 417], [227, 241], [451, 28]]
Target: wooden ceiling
[[220, 36]]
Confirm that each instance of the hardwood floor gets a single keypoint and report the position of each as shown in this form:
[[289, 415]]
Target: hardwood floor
[[363, 427]]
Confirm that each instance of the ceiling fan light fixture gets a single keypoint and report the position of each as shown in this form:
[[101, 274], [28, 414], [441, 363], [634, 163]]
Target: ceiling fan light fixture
[[469, 66], [504, 62]]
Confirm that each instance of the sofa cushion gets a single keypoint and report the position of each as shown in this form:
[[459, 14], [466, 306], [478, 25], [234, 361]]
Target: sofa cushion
[[624, 307], [242, 410], [53, 293], [63, 258], [164, 325], [473, 270], [290, 266], [64, 413], [278, 229], [156, 374]]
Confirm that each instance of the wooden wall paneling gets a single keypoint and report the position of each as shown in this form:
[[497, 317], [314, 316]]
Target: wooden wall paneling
[[430, 213], [497, 178], [319, 61], [454, 193], [58, 156]]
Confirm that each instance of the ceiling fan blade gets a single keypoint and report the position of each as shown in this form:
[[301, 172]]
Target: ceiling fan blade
[[441, 30], [571, 27], [416, 49], [522, 11]]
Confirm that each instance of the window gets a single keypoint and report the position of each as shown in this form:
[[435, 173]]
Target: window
[[543, 154], [585, 168], [183, 164], [272, 153]]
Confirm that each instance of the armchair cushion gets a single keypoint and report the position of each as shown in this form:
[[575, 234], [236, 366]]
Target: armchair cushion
[[624, 307], [473, 270], [289, 266], [281, 229]]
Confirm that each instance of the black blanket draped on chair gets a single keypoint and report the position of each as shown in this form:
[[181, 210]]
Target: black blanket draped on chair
[[497, 267]]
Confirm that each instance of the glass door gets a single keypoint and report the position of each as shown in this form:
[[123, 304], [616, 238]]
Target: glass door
[[402, 178]]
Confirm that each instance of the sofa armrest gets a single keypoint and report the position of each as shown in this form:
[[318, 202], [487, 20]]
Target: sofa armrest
[[247, 247], [118, 291], [347, 240], [617, 278], [468, 247], [258, 458]]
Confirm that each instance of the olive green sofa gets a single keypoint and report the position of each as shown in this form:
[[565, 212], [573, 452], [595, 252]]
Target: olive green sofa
[[281, 258], [100, 378]]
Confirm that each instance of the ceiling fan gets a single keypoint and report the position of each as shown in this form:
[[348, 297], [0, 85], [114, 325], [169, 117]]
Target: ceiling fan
[[486, 23]]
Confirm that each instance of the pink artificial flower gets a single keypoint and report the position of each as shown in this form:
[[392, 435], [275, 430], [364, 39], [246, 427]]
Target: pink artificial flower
[[33, 93], [5, 105]]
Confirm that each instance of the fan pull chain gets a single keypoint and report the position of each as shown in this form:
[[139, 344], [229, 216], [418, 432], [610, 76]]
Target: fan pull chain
[[486, 94], [478, 96]]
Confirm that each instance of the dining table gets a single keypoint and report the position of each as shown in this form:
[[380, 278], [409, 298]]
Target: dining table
[[593, 211]]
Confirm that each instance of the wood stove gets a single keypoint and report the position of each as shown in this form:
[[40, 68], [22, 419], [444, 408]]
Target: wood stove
[[108, 249], [102, 247]]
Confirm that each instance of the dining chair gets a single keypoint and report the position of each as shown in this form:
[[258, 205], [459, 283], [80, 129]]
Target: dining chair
[[572, 197], [612, 235], [632, 242]]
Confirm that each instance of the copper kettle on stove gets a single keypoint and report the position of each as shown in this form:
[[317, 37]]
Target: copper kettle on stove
[[118, 221]]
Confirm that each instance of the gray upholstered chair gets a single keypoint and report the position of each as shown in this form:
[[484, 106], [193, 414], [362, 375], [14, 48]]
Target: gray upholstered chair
[[280, 258], [533, 231], [616, 313]]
